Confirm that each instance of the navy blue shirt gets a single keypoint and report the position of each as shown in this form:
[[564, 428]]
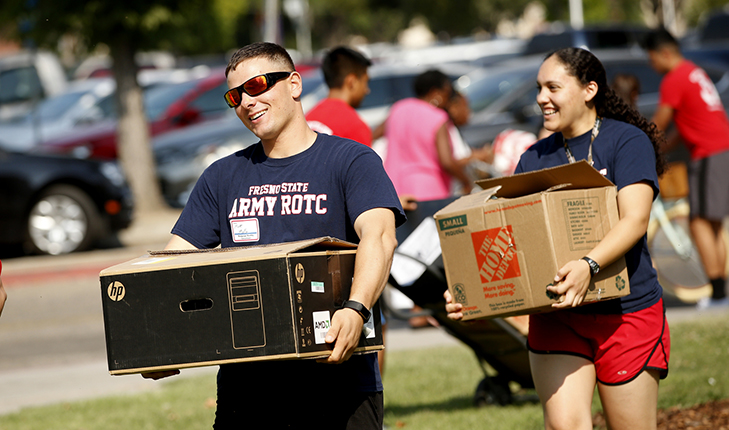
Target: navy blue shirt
[[250, 199], [625, 156]]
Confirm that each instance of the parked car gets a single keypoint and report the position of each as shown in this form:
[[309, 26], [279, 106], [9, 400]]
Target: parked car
[[26, 77], [182, 155], [463, 51], [504, 96], [596, 37], [84, 102], [56, 205], [715, 27], [167, 107]]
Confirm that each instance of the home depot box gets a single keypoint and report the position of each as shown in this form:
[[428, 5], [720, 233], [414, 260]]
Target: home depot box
[[178, 309], [502, 246]]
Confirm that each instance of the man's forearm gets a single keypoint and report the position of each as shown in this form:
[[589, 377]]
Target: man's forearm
[[372, 269], [376, 230]]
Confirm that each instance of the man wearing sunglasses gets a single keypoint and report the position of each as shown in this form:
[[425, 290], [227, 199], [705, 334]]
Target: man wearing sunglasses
[[296, 184]]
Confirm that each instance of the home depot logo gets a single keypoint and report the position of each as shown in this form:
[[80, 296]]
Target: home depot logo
[[496, 254]]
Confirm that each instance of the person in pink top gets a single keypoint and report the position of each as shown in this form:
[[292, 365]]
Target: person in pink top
[[690, 100], [419, 157]]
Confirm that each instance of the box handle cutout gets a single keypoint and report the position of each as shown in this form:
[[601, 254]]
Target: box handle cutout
[[194, 305]]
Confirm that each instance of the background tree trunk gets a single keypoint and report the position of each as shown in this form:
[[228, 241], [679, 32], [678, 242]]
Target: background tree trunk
[[133, 140]]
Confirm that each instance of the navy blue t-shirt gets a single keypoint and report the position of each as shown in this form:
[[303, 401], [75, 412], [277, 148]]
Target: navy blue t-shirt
[[250, 199], [625, 156]]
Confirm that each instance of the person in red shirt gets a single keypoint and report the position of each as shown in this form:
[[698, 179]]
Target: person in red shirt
[[345, 73], [691, 101]]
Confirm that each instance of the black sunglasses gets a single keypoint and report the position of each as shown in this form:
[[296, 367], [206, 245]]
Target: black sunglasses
[[254, 86]]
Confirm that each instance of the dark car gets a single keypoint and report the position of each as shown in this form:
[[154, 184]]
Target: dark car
[[504, 96], [56, 205], [715, 28], [167, 107], [597, 37]]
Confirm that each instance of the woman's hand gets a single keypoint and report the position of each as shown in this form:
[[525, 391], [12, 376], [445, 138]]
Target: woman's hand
[[571, 283], [455, 310], [634, 207]]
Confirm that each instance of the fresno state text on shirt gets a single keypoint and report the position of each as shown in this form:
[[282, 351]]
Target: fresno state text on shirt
[[294, 200]]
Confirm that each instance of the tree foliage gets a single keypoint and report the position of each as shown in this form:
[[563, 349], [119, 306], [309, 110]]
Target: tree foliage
[[183, 26]]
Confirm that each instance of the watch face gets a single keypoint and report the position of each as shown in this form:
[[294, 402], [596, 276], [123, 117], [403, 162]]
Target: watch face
[[594, 267]]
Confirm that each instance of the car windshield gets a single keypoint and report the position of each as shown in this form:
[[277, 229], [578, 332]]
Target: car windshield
[[21, 84], [160, 97], [482, 92], [54, 107], [386, 90]]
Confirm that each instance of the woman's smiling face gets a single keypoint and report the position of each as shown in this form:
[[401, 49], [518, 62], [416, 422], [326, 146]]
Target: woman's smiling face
[[565, 102]]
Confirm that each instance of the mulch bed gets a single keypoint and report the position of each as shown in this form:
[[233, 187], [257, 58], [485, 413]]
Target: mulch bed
[[707, 416]]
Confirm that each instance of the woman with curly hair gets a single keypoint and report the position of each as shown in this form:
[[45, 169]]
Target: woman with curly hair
[[621, 346]]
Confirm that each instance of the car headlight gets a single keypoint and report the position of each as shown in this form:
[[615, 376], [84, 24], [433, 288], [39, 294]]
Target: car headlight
[[113, 173]]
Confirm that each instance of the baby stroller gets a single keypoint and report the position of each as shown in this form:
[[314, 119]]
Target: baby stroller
[[418, 273]]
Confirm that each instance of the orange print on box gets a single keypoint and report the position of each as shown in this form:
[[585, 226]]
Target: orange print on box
[[496, 254]]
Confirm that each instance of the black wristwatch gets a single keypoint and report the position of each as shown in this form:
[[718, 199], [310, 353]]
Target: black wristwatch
[[594, 267], [359, 308]]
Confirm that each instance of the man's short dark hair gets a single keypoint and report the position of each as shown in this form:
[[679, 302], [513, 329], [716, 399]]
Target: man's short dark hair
[[271, 51], [340, 62], [659, 38]]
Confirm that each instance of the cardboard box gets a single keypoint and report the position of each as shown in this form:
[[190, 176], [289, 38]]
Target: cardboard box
[[178, 309], [502, 246]]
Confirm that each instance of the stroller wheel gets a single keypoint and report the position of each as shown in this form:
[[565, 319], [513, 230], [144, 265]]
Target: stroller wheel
[[492, 391]]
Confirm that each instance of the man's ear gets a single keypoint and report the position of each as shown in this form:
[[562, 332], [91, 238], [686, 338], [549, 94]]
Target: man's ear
[[350, 81], [297, 85]]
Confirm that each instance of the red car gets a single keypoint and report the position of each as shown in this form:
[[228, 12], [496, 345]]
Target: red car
[[168, 107]]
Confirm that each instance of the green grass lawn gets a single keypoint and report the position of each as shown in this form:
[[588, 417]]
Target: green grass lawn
[[424, 389]]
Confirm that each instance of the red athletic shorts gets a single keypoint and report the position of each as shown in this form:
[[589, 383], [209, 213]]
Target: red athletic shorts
[[620, 345]]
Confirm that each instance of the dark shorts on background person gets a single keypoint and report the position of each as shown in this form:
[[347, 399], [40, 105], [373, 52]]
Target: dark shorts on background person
[[709, 187], [620, 345], [294, 395], [302, 410]]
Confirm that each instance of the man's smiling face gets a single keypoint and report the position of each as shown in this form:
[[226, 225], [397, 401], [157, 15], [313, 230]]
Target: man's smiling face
[[265, 114]]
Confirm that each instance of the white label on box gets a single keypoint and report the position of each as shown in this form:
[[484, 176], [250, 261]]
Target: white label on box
[[369, 328], [317, 287], [244, 230], [322, 322]]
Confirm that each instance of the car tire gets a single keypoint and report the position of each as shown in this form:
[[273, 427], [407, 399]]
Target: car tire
[[63, 219]]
